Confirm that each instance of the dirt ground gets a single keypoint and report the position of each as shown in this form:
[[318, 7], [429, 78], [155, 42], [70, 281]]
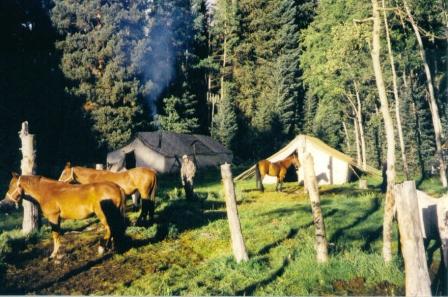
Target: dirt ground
[[81, 270]]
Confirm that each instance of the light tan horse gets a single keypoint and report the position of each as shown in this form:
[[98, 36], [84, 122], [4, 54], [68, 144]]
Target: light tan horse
[[278, 169], [59, 200], [142, 180]]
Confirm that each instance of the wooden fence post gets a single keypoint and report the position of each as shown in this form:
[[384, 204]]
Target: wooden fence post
[[363, 184], [30, 210], [239, 249], [416, 269], [319, 224]]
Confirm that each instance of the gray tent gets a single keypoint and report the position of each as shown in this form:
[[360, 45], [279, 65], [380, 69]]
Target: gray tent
[[163, 150]]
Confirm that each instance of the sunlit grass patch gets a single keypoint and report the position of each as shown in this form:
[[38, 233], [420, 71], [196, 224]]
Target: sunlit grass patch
[[187, 250]]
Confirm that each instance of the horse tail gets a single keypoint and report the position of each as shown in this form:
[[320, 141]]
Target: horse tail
[[123, 208], [113, 215]]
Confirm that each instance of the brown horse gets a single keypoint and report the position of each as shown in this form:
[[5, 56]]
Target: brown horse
[[142, 180], [59, 200], [278, 169]]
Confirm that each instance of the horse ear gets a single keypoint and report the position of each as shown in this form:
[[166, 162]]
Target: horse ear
[[68, 165], [14, 174]]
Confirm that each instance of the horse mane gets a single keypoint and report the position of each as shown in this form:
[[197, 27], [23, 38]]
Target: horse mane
[[30, 179]]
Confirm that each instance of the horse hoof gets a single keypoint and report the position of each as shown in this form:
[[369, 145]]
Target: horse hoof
[[101, 250]]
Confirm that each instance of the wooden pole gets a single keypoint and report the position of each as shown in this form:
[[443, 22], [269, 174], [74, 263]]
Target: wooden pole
[[363, 184], [416, 269], [30, 210], [239, 249], [319, 224]]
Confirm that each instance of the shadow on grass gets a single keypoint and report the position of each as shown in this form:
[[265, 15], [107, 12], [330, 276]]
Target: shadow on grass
[[370, 237], [347, 191], [249, 290], [182, 215], [376, 203], [291, 234]]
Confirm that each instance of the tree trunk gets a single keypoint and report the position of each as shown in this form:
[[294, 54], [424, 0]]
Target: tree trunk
[[224, 64], [416, 269], [418, 132], [319, 224], [239, 249], [347, 137], [389, 130], [358, 147], [438, 130], [396, 97], [361, 127], [30, 210]]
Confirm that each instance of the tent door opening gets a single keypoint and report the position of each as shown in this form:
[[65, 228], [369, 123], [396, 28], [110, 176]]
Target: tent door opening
[[129, 160]]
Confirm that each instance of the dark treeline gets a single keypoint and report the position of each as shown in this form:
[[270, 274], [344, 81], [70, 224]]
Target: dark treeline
[[253, 74]]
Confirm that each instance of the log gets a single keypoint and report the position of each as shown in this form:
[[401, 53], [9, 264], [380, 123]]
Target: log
[[417, 281], [31, 218], [321, 245], [238, 247]]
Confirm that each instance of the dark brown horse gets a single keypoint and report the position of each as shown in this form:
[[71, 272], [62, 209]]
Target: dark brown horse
[[278, 169], [142, 180], [59, 200]]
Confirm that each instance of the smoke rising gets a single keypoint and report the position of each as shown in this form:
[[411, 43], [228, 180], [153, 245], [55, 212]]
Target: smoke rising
[[159, 62]]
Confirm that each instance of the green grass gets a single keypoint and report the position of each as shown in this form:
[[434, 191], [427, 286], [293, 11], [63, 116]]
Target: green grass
[[279, 236], [188, 252], [432, 186]]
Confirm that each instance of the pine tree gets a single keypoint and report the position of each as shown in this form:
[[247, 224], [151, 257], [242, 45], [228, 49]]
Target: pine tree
[[225, 122], [180, 113], [98, 38]]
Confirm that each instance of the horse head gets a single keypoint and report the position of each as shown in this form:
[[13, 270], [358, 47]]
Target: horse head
[[67, 174], [15, 190], [295, 161]]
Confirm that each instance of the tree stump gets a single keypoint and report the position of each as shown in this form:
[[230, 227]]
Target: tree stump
[[319, 224], [416, 269], [363, 184], [238, 247], [30, 210]]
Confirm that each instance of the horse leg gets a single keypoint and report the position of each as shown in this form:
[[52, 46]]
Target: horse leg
[[147, 212], [56, 234], [135, 201], [106, 241]]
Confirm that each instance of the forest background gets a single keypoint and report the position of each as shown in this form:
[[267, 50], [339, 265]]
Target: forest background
[[87, 75]]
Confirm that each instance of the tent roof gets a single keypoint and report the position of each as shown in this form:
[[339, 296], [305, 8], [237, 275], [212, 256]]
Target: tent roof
[[172, 144], [292, 147]]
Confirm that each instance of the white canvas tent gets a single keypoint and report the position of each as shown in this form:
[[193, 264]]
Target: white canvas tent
[[162, 151], [331, 166]]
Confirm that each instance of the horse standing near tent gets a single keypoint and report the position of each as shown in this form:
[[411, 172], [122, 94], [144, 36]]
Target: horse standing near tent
[[59, 200], [278, 169], [142, 180]]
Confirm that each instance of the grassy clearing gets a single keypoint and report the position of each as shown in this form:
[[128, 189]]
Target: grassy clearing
[[187, 251], [279, 236]]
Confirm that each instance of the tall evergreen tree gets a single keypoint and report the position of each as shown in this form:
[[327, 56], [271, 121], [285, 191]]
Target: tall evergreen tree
[[97, 42]]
